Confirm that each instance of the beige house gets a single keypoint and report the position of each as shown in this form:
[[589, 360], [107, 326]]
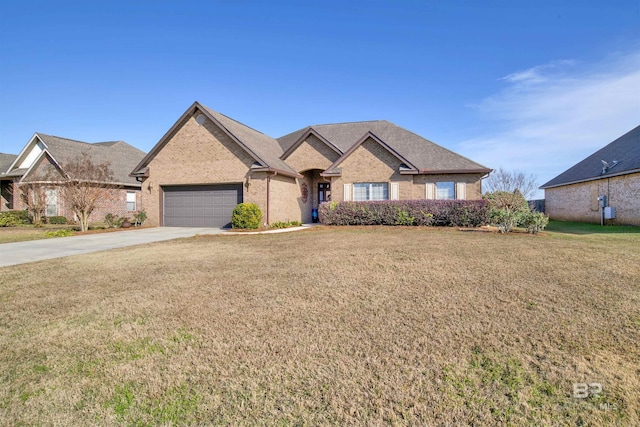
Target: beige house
[[207, 163], [610, 176], [42, 160]]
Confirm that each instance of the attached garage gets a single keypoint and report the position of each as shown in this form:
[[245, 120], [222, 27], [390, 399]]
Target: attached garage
[[200, 205]]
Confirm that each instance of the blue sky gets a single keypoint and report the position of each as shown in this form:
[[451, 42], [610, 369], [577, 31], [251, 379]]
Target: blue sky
[[534, 86]]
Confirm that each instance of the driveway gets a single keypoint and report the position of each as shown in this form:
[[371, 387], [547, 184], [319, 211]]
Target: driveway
[[38, 250]]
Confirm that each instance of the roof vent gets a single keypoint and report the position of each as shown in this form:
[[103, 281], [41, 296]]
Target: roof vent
[[200, 119]]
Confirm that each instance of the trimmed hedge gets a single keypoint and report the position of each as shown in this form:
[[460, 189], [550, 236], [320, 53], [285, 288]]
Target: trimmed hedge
[[246, 215], [56, 220], [19, 217], [447, 213]]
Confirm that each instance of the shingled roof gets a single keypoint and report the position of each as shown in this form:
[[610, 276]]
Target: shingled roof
[[424, 155], [5, 161], [622, 157], [265, 150], [121, 156]]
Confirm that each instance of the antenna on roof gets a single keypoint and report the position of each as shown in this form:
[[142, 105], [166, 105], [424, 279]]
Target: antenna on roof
[[605, 166]]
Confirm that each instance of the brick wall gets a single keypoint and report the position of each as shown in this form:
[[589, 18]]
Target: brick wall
[[285, 199], [373, 163], [370, 162], [473, 184], [579, 202], [197, 154], [312, 154]]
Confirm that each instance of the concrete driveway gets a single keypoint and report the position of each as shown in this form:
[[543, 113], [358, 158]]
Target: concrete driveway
[[38, 250]]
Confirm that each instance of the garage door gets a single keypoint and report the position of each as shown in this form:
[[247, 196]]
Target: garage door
[[200, 205]]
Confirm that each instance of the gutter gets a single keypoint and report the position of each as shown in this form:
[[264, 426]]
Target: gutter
[[595, 178]]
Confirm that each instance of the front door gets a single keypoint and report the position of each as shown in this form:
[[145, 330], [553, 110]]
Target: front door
[[324, 192]]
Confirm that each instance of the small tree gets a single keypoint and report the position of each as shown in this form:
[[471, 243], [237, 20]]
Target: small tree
[[85, 184], [34, 197], [506, 209], [511, 181]]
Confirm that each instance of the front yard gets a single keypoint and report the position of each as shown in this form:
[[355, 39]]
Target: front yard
[[358, 325]]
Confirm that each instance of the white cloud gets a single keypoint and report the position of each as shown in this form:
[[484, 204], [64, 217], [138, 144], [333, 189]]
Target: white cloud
[[551, 116], [535, 74]]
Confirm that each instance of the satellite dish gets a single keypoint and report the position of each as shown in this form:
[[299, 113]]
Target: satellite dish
[[200, 119]]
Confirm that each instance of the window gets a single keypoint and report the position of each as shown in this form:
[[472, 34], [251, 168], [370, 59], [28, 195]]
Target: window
[[52, 202], [371, 191], [445, 190], [131, 201]]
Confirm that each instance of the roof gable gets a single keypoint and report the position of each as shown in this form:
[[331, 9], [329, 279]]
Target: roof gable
[[619, 157], [425, 156], [303, 137], [120, 155], [333, 169], [265, 150]]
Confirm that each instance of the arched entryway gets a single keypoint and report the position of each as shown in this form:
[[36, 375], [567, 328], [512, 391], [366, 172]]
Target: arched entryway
[[315, 189]]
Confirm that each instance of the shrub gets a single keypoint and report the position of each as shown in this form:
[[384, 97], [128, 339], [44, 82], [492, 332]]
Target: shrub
[[113, 221], [59, 233], [246, 215], [21, 217], [506, 209], [534, 222], [8, 220], [285, 224], [504, 219], [139, 217], [57, 220], [459, 213]]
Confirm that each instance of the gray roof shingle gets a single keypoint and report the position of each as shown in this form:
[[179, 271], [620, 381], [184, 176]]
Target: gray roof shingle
[[624, 151], [121, 156], [425, 155], [5, 161], [264, 147]]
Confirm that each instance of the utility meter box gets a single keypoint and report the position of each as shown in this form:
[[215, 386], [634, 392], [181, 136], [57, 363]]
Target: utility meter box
[[602, 201], [609, 212]]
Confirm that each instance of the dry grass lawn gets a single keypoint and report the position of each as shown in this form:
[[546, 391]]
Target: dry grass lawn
[[359, 326]]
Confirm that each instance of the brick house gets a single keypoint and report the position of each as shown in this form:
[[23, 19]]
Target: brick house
[[207, 163], [613, 171], [43, 159], [6, 185]]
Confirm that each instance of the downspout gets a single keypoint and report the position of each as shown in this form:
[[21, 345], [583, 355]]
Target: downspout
[[269, 194]]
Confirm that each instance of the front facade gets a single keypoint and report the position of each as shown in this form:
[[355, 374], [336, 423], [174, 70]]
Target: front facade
[[609, 177], [207, 163], [42, 162]]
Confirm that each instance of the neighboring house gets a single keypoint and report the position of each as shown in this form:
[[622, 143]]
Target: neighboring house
[[6, 185], [613, 171], [43, 160], [207, 163]]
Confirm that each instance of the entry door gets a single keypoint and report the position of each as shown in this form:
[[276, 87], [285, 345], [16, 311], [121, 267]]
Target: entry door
[[324, 192]]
